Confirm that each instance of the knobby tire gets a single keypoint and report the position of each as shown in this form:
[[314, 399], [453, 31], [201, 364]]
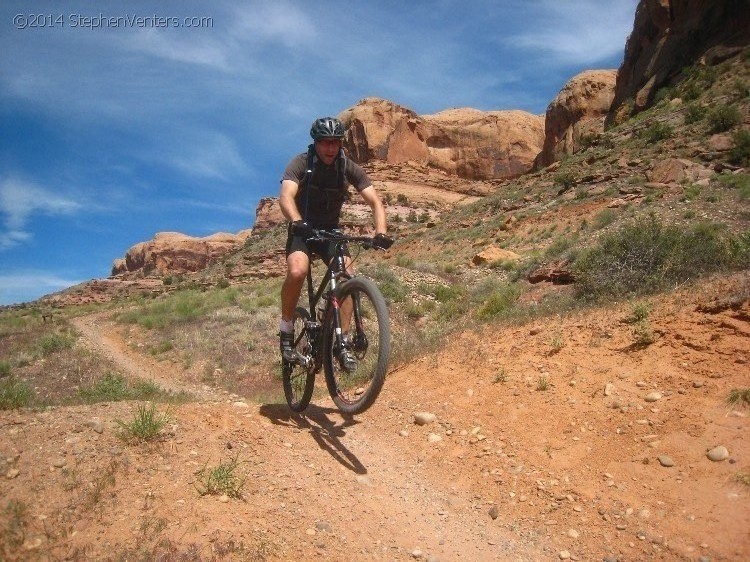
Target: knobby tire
[[354, 392], [299, 381]]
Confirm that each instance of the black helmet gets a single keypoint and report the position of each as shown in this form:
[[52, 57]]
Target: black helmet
[[327, 128]]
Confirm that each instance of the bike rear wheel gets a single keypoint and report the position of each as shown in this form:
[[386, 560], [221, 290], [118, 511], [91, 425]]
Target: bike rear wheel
[[299, 380], [366, 331]]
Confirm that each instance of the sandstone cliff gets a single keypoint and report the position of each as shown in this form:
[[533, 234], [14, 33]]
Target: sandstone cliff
[[578, 110], [669, 35], [468, 143], [173, 252]]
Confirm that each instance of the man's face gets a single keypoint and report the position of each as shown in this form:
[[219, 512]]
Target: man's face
[[327, 149]]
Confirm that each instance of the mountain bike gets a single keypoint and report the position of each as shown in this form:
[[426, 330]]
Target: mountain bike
[[345, 330]]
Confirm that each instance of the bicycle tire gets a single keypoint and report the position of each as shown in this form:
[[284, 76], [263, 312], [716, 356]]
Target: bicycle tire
[[299, 381], [353, 392]]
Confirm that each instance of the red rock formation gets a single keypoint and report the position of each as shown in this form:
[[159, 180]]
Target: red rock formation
[[268, 213], [173, 252], [467, 143], [579, 109], [669, 35]]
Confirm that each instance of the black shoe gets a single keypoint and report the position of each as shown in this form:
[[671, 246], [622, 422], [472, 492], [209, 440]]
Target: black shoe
[[286, 345]]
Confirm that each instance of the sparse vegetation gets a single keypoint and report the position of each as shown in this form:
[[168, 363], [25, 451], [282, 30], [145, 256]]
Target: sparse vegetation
[[740, 151], [739, 397], [542, 383], [15, 393], [723, 118], [645, 255], [656, 132], [222, 479], [146, 424]]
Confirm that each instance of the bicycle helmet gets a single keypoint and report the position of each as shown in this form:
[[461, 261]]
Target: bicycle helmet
[[327, 128]]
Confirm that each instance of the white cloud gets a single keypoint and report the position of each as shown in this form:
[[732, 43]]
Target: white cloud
[[582, 32], [19, 200], [28, 285]]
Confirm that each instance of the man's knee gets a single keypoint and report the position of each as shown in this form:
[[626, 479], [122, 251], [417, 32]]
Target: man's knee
[[297, 267]]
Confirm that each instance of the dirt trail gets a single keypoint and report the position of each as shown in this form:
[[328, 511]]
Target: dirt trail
[[584, 467]]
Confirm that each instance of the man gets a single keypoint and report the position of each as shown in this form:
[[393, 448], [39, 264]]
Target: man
[[313, 189]]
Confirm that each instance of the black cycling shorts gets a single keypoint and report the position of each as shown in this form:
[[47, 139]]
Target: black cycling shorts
[[323, 250]]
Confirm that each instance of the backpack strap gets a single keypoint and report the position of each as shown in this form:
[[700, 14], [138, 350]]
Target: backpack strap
[[307, 176]]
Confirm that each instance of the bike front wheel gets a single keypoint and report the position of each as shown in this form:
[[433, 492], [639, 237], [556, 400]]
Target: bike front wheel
[[356, 363], [299, 380]]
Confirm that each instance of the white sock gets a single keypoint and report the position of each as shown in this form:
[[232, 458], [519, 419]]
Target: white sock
[[286, 326]]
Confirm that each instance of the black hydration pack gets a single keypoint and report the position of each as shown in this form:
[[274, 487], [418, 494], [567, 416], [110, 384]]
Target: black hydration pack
[[332, 195]]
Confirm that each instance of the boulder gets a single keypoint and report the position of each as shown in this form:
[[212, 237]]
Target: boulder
[[468, 143], [268, 214], [492, 254], [675, 170], [578, 110]]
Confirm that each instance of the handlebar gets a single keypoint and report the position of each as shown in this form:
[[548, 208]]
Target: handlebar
[[331, 236]]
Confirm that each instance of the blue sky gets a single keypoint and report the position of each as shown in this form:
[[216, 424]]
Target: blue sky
[[119, 121]]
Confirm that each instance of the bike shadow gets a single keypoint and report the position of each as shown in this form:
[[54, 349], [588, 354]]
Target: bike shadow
[[326, 432]]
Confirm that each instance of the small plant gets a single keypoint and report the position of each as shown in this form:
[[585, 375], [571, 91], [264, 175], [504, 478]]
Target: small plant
[[401, 199], [500, 376], [691, 193], [13, 531], [51, 343], [542, 383], [723, 118], [222, 479], [145, 426], [501, 300], [604, 218], [14, 393], [742, 478], [643, 335], [223, 283], [738, 396], [4, 368], [404, 261], [558, 342], [639, 312]]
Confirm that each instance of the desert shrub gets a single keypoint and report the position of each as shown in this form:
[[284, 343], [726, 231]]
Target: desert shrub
[[146, 424], [604, 218], [663, 94], [402, 199], [181, 306], [390, 285], [502, 299], [57, 341], [694, 112], [740, 151], [645, 255], [656, 132], [723, 118], [565, 179], [740, 182], [4, 368]]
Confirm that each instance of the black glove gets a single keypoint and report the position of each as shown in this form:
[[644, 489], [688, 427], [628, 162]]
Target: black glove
[[300, 228], [382, 241]]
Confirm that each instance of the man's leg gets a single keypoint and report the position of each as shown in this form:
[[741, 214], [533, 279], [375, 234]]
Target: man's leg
[[297, 264]]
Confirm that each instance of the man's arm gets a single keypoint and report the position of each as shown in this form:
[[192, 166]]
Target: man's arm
[[286, 200], [378, 212]]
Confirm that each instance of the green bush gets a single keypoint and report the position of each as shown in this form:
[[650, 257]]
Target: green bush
[[51, 343], [656, 132], [645, 256], [4, 368], [694, 112], [500, 301], [14, 393], [740, 151], [565, 179], [723, 118]]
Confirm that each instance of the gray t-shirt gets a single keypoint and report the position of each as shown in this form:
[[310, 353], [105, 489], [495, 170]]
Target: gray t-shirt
[[320, 196]]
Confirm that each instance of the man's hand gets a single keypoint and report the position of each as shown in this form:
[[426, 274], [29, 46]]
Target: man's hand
[[382, 241], [301, 228]]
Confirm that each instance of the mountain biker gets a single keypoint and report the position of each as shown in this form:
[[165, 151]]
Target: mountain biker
[[313, 189]]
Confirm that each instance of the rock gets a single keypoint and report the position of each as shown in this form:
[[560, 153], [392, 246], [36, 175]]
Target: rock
[[58, 462], [563, 555], [557, 273], [653, 396], [12, 473], [578, 110], [434, 438], [494, 254], [494, 512], [416, 553], [223, 498], [465, 142], [241, 405], [424, 418], [572, 533], [669, 35], [609, 389], [535, 330], [96, 425], [665, 461], [174, 252], [718, 454]]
